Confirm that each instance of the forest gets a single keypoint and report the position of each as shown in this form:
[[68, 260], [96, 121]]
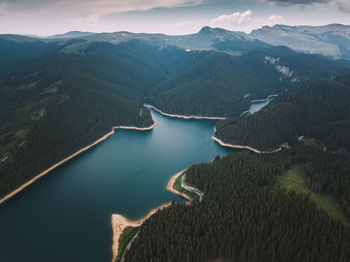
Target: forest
[[246, 213], [52, 107], [217, 84], [245, 217], [317, 113], [57, 96]]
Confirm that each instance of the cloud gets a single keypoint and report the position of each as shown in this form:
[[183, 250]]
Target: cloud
[[343, 5], [296, 2], [47, 17], [276, 19], [96, 7], [244, 21], [236, 18]]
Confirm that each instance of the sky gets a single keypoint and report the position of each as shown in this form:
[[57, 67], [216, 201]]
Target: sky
[[174, 17]]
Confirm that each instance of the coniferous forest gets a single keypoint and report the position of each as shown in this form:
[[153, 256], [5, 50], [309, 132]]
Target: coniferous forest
[[244, 216], [252, 209], [318, 112], [58, 96]]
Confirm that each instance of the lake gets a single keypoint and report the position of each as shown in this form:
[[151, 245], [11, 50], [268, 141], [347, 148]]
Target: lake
[[65, 216], [257, 106]]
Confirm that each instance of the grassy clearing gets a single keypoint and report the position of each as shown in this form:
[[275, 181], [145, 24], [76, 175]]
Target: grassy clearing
[[177, 186], [125, 238], [294, 180]]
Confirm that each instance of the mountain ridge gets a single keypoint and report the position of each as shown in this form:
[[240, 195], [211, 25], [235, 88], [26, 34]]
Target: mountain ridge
[[332, 40]]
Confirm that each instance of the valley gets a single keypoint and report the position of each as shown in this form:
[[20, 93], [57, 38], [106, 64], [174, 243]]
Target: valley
[[101, 121]]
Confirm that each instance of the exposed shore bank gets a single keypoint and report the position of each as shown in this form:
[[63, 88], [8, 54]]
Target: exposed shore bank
[[221, 143], [31, 181], [120, 222], [264, 100], [185, 117], [170, 187]]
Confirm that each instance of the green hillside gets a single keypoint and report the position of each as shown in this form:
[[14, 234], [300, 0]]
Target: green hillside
[[56, 104], [57, 96], [217, 84], [318, 112], [244, 218]]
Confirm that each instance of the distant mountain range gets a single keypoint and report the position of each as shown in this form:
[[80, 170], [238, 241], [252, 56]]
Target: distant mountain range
[[70, 34], [330, 40]]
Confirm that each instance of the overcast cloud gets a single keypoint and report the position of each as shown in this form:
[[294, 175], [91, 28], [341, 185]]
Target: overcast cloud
[[46, 17], [343, 5], [98, 7], [245, 21]]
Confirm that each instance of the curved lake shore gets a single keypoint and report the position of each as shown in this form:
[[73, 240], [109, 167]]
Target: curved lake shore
[[120, 222], [170, 186], [183, 116], [126, 174], [220, 142], [98, 183], [264, 99], [31, 181]]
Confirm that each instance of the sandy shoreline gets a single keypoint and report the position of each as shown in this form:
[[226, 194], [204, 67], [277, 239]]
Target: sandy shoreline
[[120, 222], [170, 187], [136, 128], [221, 143], [8, 196], [185, 117]]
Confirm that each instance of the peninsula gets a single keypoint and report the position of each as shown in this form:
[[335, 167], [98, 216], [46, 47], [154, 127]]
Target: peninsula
[[120, 222]]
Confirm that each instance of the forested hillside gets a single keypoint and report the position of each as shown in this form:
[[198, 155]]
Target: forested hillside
[[14, 48], [318, 112], [57, 96], [218, 84], [293, 205], [244, 216], [56, 104]]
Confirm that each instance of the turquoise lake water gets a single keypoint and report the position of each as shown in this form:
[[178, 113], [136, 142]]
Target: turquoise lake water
[[257, 106], [65, 216]]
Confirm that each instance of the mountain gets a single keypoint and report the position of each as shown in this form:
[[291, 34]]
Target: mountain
[[15, 48], [219, 84], [331, 40], [318, 113], [55, 104], [205, 39], [70, 34]]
